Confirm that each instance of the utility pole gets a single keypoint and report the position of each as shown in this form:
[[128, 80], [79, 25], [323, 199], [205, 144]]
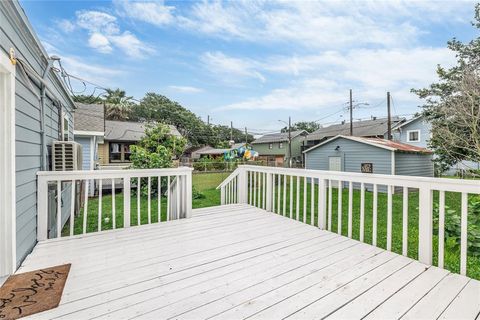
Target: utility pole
[[208, 120], [389, 118], [351, 113], [289, 142], [231, 132], [246, 136]]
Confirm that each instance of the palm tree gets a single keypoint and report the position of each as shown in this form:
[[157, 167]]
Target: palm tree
[[118, 105]]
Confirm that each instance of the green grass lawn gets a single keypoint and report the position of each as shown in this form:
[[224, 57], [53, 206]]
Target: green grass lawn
[[206, 183]]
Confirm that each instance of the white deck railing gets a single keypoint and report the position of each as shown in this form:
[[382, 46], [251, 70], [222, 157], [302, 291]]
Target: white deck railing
[[279, 190], [174, 185]]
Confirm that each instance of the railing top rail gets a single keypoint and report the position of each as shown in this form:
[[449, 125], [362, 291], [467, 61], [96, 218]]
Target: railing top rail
[[446, 184], [106, 174], [229, 178]]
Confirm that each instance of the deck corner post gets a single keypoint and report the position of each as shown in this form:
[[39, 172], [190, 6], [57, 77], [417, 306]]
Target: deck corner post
[[269, 192], [425, 225], [126, 202], [322, 204], [42, 207], [242, 186]]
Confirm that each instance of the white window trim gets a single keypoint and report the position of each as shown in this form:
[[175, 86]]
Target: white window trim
[[408, 135], [270, 146], [65, 118], [8, 249]]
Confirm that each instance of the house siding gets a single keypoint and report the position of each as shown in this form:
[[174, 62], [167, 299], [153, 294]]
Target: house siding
[[15, 33], [417, 164], [263, 150], [424, 127], [85, 142]]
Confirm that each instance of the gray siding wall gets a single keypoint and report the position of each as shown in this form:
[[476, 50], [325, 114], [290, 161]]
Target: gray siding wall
[[86, 151], [413, 164], [353, 155], [14, 33], [401, 134]]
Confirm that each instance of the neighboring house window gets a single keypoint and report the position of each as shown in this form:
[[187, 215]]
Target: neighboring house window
[[66, 125], [119, 152], [413, 136], [280, 145], [270, 146]]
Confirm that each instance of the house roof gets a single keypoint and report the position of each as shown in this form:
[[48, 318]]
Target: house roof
[[377, 142], [278, 137], [363, 128], [208, 150], [407, 122], [89, 117], [129, 131]]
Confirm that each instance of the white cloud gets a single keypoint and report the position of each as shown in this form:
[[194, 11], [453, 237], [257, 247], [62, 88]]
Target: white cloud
[[66, 25], [131, 45], [96, 21], [100, 42], [185, 89], [225, 66], [156, 13]]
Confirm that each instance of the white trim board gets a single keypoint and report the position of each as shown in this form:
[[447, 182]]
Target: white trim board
[[8, 250], [88, 133]]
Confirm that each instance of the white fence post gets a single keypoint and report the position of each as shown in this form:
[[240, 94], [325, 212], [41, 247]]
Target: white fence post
[[322, 204], [42, 208], [188, 196], [242, 186], [425, 225]]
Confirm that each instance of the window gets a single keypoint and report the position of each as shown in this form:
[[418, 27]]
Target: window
[[65, 128], [119, 152], [280, 145], [270, 146], [413, 135]]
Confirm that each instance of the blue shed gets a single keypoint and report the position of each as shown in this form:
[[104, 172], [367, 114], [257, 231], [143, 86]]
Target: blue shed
[[369, 155]]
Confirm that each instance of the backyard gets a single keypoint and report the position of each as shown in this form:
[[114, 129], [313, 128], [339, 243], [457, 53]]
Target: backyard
[[205, 195]]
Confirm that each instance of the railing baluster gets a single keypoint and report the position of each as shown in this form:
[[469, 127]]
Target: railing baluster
[[362, 212], [312, 201], [405, 222], [389, 217], [279, 193], [350, 208], [149, 200], [330, 205], [250, 193], [159, 198], [255, 189], [264, 190], [114, 215], [297, 203], [284, 195], [464, 234], [339, 207], [177, 215], [168, 198], [85, 208], [99, 220], [126, 202], [72, 208], [291, 196], [322, 205], [59, 208], [441, 229], [374, 215], [305, 200], [273, 191], [138, 201]]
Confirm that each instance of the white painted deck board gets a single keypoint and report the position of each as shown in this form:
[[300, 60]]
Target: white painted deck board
[[238, 262]]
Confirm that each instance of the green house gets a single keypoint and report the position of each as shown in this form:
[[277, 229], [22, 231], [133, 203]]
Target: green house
[[274, 148]]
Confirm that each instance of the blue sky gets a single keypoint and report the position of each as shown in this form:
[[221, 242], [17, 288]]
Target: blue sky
[[255, 62]]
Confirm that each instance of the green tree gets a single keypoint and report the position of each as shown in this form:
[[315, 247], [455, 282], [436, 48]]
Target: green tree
[[451, 105], [118, 105], [157, 148], [308, 126], [87, 99]]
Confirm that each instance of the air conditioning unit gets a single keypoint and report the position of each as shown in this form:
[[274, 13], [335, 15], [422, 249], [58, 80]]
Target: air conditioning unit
[[66, 156]]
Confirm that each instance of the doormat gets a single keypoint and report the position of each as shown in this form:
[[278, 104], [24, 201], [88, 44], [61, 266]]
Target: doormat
[[32, 292]]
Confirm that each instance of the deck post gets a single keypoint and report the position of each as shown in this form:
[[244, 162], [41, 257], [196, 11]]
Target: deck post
[[269, 192], [322, 204], [126, 202], [189, 191], [242, 186], [425, 225], [42, 203]]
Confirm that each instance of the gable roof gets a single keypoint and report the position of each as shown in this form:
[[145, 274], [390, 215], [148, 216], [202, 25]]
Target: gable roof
[[398, 126], [363, 128], [129, 131], [89, 117], [377, 142], [278, 137]]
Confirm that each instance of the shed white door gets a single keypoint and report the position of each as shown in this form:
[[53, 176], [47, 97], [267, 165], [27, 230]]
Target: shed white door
[[335, 164]]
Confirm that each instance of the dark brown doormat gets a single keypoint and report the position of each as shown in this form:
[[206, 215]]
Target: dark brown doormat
[[32, 292]]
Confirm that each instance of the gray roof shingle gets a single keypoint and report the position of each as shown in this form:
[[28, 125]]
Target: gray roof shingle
[[364, 128], [88, 117], [278, 137], [129, 131]]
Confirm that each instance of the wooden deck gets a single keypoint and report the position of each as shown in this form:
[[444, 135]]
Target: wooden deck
[[236, 262]]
